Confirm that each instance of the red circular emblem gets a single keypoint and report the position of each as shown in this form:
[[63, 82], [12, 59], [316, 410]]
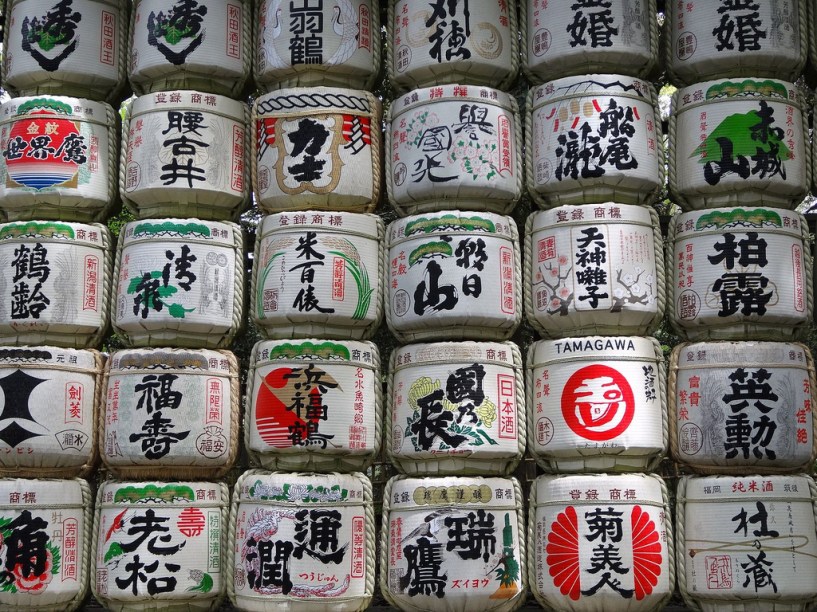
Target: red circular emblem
[[598, 403]]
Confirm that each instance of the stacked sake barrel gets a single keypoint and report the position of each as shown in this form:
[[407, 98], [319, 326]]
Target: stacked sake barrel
[[159, 412], [741, 386], [594, 291], [453, 533], [64, 66], [314, 399]]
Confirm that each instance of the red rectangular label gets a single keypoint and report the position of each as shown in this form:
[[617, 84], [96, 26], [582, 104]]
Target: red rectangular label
[[234, 31], [91, 282], [107, 51], [507, 406], [237, 179], [338, 278], [215, 401], [506, 281], [74, 394], [358, 547]]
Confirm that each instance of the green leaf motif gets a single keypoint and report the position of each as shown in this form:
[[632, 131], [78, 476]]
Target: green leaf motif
[[115, 550], [46, 42], [205, 586], [177, 311], [737, 129]]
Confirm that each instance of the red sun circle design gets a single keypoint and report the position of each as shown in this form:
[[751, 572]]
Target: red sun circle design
[[598, 403]]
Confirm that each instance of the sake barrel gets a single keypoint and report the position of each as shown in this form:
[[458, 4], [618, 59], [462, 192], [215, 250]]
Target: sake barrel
[[316, 148], [190, 45], [314, 404], [581, 525], [160, 545], [453, 276], [742, 407], [739, 289], [746, 541], [594, 269], [170, 413], [185, 154], [318, 274], [593, 138], [68, 47], [46, 536], [179, 281], [51, 396], [739, 142], [454, 146], [762, 38], [597, 403], [456, 408], [333, 43], [56, 284], [438, 43], [563, 39], [302, 542], [453, 544], [59, 158]]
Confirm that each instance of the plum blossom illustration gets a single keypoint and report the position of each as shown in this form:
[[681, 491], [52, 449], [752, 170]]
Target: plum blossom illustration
[[633, 289]]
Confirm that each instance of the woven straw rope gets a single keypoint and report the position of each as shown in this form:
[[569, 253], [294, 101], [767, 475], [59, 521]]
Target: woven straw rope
[[186, 339], [305, 459], [406, 465], [513, 29], [211, 603], [672, 145], [465, 331], [362, 332], [811, 28], [123, 155], [368, 509], [74, 471], [383, 566], [527, 122], [740, 469], [390, 42], [651, 460], [531, 542], [157, 470]]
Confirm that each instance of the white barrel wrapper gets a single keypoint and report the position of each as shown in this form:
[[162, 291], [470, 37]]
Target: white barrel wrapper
[[59, 158], [51, 397], [597, 403], [55, 278], [740, 273], [739, 142], [601, 542], [746, 540], [594, 269], [68, 47], [172, 534], [319, 529], [454, 146], [567, 38], [742, 407], [453, 544], [334, 43], [177, 44], [170, 413], [318, 274], [594, 138], [314, 404], [761, 38], [461, 41], [179, 282], [317, 147], [46, 536], [456, 408], [453, 275], [185, 154]]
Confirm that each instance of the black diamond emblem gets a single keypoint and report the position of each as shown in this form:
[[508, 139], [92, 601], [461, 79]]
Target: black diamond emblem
[[14, 434]]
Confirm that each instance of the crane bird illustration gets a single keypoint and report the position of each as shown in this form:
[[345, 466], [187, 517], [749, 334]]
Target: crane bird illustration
[[345, 24]]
